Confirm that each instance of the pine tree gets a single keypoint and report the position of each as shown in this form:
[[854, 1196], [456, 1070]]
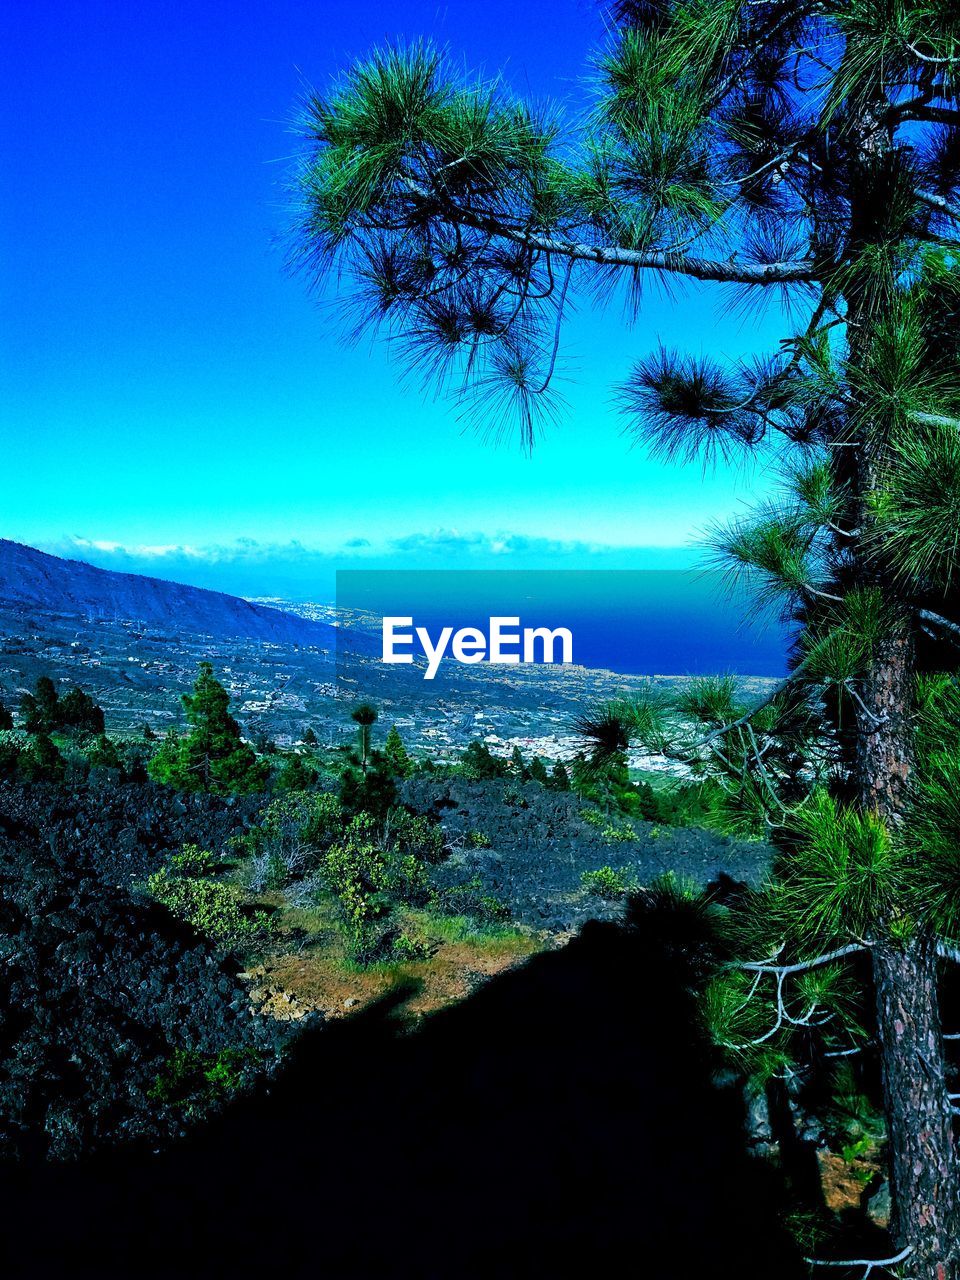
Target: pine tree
[[42, 761], [807, 146], [6, 719], [213, 755], [538, 772], [559, 777], [478, 762], [39, 709], [518, 765], [104, 754], [396, 756], [296, 774]]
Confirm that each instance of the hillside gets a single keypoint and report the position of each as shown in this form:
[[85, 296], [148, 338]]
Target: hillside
[[31, 579]]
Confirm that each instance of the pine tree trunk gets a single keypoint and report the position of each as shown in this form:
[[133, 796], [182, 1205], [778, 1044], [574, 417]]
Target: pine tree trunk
[[923, 1164], [924, 1181]]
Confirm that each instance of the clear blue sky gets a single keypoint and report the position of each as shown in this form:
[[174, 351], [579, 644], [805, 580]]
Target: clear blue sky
[[164, 384]]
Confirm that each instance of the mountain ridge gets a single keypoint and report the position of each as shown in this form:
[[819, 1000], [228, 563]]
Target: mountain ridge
[[35, 579]]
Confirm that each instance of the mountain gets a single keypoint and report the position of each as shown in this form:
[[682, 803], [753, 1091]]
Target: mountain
[[31, 579]]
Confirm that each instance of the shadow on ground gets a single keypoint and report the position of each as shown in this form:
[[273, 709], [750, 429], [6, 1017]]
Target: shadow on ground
[[559, 1122]]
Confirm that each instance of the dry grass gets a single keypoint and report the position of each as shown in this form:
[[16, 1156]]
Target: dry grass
[[308, 968]]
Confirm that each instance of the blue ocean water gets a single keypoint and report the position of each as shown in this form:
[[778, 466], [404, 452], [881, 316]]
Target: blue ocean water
[[644, 622]]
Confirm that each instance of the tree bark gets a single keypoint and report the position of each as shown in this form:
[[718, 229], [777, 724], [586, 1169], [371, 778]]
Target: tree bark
[[924, 1174], [924, 1182], [923, 1163]]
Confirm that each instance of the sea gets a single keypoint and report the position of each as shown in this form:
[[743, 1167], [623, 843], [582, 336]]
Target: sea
[[635, 622]]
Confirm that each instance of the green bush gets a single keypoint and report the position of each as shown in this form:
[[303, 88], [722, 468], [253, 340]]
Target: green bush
[[210, 907], [618, 834], [296, 774], [42, 761], [289, 841], [407, 948], [608, 882], [9, 756], [191, 860], [415, 833], [468, 899], [189, 1076], [372, 868], [477, 840], [103, 754]]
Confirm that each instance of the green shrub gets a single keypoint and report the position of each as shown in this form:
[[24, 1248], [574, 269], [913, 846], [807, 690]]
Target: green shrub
[[208, 906], [618, 834], [608, 882], [296, 774], [189, 1076], [103, 754], [468, 899], [476, 840], [291, 837], [415, 833], [191, 860], [512, 795], [42, 761], [9, 756], [372, 868], [407, 948]]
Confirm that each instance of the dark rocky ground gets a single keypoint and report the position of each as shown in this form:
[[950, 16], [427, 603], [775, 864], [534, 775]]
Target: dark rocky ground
[[540, 847], [563, 1120], [99, 990], [123, 829]]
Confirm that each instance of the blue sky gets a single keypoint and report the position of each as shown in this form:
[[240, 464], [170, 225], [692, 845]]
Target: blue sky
[[171, 400]]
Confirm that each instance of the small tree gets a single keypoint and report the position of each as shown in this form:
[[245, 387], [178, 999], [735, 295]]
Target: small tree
[[42, 761], [538, 772], [559, 778], [296, 774], [44, 711], [396, 754], [6, 719], [309, 738], [104, 754], [518, 765], [213, 755], [365, 717], [78, 711], [478, 762], [39, 709]]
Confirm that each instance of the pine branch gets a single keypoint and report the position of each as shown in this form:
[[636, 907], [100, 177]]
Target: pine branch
[[801, 966], [733, 271], [868, 1264], [942, 624], [940, 203], [748, 716], [935, 420], [930, 114]]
